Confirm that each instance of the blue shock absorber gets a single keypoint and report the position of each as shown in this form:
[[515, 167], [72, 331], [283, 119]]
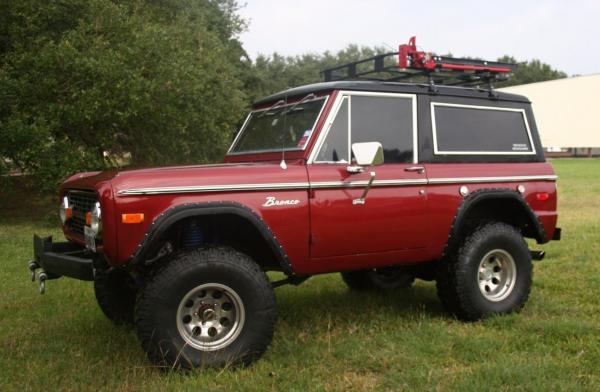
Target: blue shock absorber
[[192, 235]]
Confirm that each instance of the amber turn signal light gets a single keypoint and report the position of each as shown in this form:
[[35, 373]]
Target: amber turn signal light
[[68, 213], [88, 218], [132, 218]]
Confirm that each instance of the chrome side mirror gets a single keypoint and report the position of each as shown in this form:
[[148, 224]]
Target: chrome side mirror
[[366, 154]]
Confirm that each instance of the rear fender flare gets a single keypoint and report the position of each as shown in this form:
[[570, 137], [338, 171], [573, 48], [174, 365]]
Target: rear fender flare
[[472, 200]]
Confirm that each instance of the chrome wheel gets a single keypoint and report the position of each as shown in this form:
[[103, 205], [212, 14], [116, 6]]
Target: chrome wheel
[[497, 275], [210, 316]]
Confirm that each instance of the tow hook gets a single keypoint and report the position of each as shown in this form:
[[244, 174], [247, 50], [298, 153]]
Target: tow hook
[[42, 276], [33, 265]]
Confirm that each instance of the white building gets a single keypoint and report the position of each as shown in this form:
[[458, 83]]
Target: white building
[[567, 111]]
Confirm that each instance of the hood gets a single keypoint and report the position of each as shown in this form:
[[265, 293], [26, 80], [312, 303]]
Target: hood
[[190, 176]]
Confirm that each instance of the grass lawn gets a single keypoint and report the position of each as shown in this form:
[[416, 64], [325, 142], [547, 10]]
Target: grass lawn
[[327, 338]]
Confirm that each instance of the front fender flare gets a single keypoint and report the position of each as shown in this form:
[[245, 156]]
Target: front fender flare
[[169, 217]]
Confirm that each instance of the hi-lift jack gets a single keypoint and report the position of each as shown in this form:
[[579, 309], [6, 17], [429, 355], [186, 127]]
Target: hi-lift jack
[[413, 64]]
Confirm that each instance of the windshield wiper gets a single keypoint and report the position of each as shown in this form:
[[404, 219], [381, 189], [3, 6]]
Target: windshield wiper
[[309, 96], [275, 105]]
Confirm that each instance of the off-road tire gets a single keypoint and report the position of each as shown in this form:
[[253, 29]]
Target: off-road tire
[[459, 276], [384, 279], [116, 295], [157, 317]]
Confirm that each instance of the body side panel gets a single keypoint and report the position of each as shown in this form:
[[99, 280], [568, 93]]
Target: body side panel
[[445, 180]]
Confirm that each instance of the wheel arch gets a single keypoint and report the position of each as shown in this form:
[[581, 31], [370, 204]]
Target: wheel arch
[[503, 205], [247, 219]]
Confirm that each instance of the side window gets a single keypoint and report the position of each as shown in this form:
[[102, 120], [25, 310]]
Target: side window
[[335, 146], [477, 130], [388, 120]]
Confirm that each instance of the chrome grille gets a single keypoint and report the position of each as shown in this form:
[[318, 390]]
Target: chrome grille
[[81, 202]]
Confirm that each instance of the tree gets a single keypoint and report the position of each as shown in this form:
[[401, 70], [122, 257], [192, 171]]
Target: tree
[[79, 79], [530, 72], [274, 73]]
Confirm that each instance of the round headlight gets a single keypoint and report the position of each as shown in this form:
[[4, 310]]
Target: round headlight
[[96, 221], [65, 210]]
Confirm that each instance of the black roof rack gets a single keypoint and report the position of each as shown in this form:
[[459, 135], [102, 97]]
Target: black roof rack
[[412, 65]]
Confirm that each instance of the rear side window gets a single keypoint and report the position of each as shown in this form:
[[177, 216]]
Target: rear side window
[[480, 130]]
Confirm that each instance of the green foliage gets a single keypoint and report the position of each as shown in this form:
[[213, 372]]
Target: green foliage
[[275, 73], [530, 72], [82, 79]]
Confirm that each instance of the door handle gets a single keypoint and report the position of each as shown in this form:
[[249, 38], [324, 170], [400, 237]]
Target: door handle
[[418, 169]]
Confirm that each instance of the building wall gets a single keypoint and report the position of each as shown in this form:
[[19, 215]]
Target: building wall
[[567, 111]]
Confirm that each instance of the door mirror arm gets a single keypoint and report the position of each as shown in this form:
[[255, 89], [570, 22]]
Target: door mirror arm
[[362, 198], [365, 154]]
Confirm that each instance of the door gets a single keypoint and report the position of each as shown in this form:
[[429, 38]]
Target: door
[[392, 217]]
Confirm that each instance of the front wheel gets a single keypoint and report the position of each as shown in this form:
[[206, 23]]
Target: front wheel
[[206, 307], [490, 274]]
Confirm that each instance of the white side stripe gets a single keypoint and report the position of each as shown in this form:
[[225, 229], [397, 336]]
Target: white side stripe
[[327, 184], [466, 180], [213, 188]]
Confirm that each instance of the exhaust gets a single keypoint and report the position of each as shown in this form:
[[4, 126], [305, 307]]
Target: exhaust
[[538, 254]]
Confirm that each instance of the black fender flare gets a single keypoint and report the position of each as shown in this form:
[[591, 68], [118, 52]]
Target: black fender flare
[[473, 199], [169, 217]]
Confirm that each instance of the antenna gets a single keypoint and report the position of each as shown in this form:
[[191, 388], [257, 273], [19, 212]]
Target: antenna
[[285, 112], [282, 164]]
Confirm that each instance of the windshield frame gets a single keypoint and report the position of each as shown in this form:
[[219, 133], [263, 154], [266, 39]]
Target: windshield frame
[[230, 151]]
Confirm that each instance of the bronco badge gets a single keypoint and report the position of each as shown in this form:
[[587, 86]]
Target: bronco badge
[[272, 201]]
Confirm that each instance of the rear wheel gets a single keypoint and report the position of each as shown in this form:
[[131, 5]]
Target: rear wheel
[[115, 292], [386, 278], [490, 274], [206, 307]]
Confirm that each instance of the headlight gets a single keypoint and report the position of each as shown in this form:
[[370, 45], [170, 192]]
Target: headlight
[[65, 212], [96, 219]]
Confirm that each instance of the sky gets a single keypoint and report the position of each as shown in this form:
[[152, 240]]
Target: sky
[[564, 34]]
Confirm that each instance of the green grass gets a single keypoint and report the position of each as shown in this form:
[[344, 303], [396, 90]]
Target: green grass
[[327, 338]]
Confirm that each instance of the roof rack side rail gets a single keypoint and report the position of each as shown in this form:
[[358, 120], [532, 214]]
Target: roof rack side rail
[[409, 63]]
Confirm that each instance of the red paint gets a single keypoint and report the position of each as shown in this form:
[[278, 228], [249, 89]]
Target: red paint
[[324, 231], [410, 57], [543, 196]]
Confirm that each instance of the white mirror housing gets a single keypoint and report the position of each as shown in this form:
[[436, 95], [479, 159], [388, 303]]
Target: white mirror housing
[[367, 154]]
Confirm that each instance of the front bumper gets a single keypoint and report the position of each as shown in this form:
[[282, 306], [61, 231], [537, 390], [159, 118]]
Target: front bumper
[[61, 259]]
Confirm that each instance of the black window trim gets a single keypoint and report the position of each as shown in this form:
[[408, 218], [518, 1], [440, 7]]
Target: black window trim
[[437, 151], [243, 128], [336, 107]]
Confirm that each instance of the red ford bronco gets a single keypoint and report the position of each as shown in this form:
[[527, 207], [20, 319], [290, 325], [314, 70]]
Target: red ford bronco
[[383, 181]]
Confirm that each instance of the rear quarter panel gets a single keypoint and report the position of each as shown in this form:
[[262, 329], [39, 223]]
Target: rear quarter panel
[[444, 199]]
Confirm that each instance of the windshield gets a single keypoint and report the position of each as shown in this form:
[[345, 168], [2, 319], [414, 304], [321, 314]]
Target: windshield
[[280, 127]]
